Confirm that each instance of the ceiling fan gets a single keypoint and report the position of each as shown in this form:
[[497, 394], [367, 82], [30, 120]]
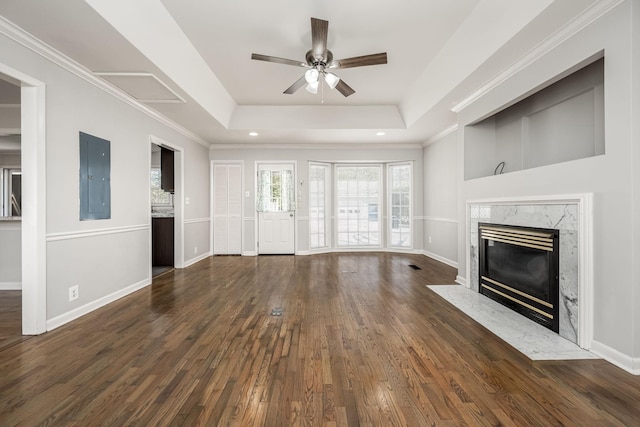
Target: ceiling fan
[[319, 60]]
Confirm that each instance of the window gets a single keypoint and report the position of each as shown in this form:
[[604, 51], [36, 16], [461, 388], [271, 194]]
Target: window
[[399, 182], [358, 199], [319, 207], [275, 191], [10, 192], [158, 195]]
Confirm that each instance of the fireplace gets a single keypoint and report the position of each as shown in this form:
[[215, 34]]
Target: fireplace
[[518, 267]]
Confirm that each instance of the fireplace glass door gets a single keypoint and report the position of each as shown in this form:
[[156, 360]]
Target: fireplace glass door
[[519, 269]]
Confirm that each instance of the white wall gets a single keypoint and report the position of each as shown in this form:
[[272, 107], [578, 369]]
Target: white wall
[[105, 258], [10, 255], [441, 199], [635, 159], [612, 177], [302, 157]]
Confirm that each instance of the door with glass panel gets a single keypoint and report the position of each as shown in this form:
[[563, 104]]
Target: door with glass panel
[[276, 208]]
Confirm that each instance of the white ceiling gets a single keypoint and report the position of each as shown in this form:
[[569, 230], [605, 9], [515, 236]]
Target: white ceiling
[[439, 53]]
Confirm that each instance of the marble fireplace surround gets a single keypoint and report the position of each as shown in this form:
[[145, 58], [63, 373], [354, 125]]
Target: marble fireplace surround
[[572, 216]]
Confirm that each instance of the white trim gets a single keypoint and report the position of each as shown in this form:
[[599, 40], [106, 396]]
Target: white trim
[[20, 36], [441, 259], [249, 218], [437, 219], [10, 131], [303, 218], [577, 24], [249, 253], [197, 259], [93, 233], [461, 281], [196, 220], [10, 286], [437, 137], [179, 100], [328, 146], [74, 314], [34, 196], [303, 253], [584, 202], [621, 360]]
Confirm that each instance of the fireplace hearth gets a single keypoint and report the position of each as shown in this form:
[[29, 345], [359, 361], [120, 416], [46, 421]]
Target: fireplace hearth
[[518, 267]]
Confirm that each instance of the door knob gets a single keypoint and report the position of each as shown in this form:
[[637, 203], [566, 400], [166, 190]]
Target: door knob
[[291, 214]]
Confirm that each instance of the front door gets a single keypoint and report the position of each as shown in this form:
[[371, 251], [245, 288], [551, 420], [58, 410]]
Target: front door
[[276, 208]]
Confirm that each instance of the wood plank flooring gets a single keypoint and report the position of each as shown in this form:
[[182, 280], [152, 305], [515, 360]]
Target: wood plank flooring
[[10, 318], [361, 341]]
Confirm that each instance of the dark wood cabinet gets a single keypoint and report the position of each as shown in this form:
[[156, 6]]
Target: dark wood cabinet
[[166, 170], [162, 241]]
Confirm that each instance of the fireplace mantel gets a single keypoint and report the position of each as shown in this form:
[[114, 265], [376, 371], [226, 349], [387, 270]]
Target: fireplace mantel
[[572, 215]]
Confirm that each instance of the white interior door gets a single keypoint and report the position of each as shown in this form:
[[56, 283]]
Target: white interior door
[[227, 209], [276, 208]]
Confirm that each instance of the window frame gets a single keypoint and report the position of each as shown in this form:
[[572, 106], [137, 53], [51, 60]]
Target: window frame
[[381, 203], [328, 208], [390, 205]]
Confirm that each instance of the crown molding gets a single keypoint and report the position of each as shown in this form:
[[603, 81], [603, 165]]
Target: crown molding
[[32, 43], [327, 146], [577, 24], [437, 137]]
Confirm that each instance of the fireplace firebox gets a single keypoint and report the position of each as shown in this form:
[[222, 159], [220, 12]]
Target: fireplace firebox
[[519, 269]]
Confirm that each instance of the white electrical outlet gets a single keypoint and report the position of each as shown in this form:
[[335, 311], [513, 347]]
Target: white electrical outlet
[[73, 293], [195, 250]]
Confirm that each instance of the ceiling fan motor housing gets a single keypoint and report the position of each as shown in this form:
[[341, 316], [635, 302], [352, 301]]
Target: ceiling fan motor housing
[[319, 63]]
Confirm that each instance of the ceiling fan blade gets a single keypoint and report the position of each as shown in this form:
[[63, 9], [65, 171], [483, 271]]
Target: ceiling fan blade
[[319, 33], [344, 88], [294, 87], [277, 60], [360, 61]]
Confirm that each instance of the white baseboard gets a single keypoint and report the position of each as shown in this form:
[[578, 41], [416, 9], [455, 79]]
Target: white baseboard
[[249, 253], [442, 259], [196, 259], [67, 317], [303, 253], [461, 281], [10, 286], [621, 360]]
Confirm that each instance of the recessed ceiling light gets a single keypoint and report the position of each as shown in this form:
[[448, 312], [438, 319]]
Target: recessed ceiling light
[[253, 133], [380, 133]]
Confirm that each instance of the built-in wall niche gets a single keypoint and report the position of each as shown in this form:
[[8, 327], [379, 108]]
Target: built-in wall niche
[[560, 123]]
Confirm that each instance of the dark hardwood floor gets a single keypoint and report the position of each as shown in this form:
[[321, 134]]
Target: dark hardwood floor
[[360, 341], [10, 318]]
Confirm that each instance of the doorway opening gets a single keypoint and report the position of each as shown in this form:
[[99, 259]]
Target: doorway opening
[[28, 118], [166, 207], [10, 214]]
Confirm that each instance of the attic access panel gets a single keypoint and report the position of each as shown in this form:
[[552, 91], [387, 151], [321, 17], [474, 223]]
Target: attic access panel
[[95, 178]]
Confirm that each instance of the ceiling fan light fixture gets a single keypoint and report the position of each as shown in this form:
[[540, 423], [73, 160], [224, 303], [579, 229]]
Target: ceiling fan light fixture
[[313, 87], [311, 76], [331, 79]]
